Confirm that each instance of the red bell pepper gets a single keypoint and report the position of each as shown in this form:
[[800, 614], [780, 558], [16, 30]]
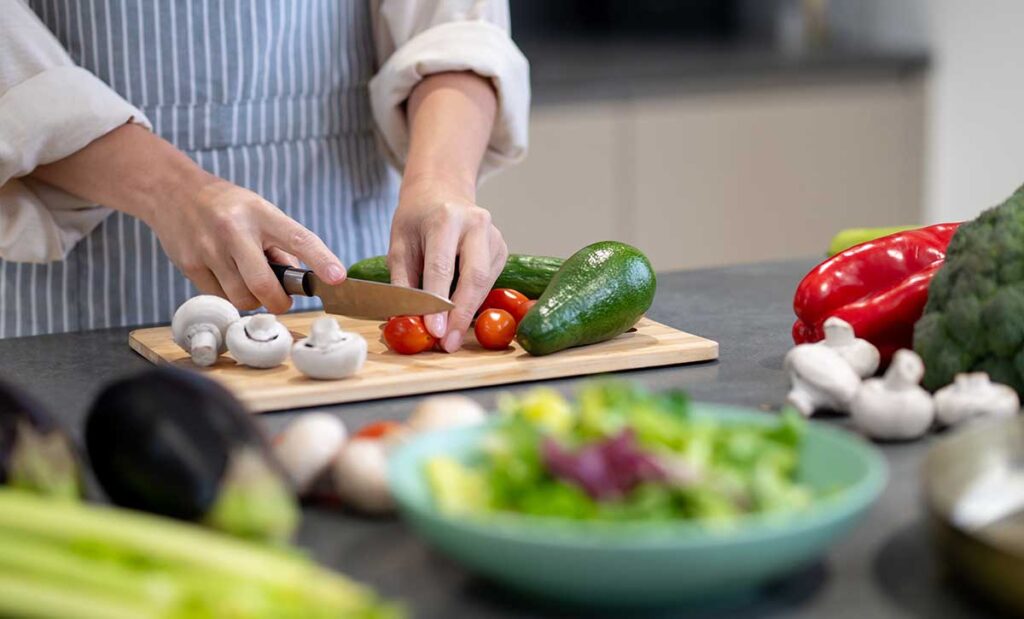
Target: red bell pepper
[[879, 287]]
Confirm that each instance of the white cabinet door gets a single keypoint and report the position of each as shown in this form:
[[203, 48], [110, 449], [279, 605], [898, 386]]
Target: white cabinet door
[[710, 179], [568, 191], [775, 173]]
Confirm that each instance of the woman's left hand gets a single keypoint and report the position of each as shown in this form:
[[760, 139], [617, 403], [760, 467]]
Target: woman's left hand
[[450, 120], [433, 225]]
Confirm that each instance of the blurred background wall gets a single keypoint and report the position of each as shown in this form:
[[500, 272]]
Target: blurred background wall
[[719, 131], [976, 127], [975, 94]]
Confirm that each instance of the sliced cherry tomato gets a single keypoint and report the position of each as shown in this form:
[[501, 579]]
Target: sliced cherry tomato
[[503, 299], [407, 335], [378, 429], [521, 310], [495, 329]]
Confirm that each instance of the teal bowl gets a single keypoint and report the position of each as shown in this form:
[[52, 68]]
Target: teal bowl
[[638, 563]]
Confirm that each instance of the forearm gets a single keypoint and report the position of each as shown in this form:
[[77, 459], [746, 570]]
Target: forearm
[[130, 170], [450, 119], [218, 234]]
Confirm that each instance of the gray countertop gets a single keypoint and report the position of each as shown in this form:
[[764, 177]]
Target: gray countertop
[[886, 568]]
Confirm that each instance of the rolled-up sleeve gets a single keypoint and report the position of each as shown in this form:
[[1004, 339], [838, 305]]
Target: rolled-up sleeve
[[49, 109], [417, 38]]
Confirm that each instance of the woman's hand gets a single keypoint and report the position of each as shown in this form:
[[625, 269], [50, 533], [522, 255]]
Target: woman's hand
[[433, 225], [450, 120], [221, 237], [218, 234]]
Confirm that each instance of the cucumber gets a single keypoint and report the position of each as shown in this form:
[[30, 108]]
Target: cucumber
[[527, 274], [373, 269], [600, 292]]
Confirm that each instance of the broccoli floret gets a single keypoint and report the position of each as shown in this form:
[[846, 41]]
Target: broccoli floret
[[974, 318]]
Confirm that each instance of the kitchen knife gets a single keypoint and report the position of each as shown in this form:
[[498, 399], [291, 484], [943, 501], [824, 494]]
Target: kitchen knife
[[359, 298]]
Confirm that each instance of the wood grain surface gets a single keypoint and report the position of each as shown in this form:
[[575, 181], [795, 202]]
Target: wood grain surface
[[387, 374]]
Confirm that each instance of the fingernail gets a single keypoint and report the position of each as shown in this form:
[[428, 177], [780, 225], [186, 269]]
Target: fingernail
[[453, 341], [437, 324], [335, 274]]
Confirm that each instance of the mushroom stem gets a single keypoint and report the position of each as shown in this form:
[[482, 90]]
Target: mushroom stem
[[800, 399], [261, 327], [324, 332], [838, 332], [906, 371], [204, 345]]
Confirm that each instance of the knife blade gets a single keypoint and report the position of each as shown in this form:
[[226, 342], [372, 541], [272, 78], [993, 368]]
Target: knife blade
[[360, 298]]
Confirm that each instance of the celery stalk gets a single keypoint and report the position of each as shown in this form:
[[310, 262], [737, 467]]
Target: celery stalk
[[29, 557], [183, 549], [22, 596]]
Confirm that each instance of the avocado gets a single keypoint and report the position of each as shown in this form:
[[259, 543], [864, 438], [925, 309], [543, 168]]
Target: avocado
[[600, 292]]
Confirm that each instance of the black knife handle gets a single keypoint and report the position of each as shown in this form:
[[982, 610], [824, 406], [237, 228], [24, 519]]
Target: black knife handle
[[294, 281]]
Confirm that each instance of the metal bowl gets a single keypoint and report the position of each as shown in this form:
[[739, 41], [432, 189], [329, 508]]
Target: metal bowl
[[974, 488]]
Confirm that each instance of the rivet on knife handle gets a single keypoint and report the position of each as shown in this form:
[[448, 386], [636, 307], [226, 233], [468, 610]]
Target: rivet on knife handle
[[294, 281]]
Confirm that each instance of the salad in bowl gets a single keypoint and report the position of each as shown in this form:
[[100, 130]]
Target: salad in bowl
[[624, 497], [622, 453]]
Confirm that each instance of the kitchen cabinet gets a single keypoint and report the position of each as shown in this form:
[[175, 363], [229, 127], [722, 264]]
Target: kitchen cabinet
[[707, 178]]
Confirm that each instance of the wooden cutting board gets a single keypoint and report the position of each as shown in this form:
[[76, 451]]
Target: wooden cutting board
[[387, 374]]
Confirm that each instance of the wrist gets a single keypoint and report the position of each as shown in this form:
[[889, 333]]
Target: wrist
[[447, 184], [174, 183]]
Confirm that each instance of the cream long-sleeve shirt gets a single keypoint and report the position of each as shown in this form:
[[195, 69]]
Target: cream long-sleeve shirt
[[50, 108]]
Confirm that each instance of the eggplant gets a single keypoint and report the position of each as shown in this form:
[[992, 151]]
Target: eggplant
[[36, 454], [175, 443]]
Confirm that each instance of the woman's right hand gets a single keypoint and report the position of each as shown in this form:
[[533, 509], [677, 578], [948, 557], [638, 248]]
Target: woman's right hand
[[222, 236], [218, 234]]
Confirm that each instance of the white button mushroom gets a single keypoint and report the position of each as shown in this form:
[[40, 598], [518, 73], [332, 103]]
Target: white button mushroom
[[259, 341], [861, 354], [446, 411], [821, 379], [199, 326], [895, 407], [307, 446], [974, 395], [360, 473], [329, 352]]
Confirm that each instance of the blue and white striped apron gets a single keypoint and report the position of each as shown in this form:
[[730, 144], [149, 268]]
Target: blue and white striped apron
[[267, 94]]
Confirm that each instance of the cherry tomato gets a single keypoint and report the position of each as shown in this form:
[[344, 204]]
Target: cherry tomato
[[521, 310], [377, 429], [407, 335], [495, 329], [504, 299]]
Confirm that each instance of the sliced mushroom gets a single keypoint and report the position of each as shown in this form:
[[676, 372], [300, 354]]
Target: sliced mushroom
[[895, 407], [308, 445], [821, 379], [259, 341], [329, 353], [199, 327], [972, 396], [862, 355], [446, 411]]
